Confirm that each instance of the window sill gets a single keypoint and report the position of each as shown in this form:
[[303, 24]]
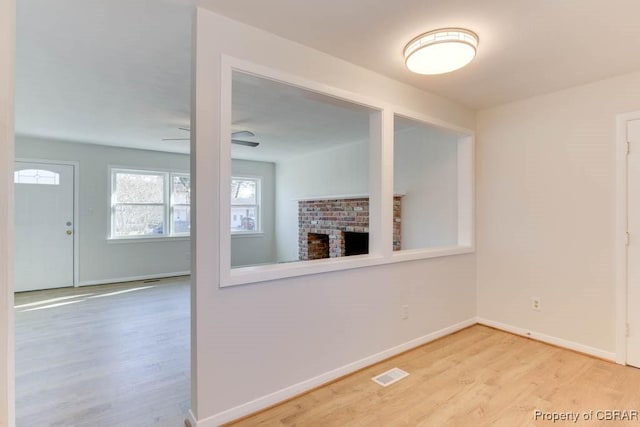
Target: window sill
[[241, 235], [125, 240], [263, 273]]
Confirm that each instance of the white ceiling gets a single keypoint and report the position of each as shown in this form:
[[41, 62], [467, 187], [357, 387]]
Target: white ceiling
[[527, 47], [289, 121], [114, 72], [117, 72]]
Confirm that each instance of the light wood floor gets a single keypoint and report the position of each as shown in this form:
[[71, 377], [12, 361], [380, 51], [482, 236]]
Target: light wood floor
[[476, 377], [103, 356]]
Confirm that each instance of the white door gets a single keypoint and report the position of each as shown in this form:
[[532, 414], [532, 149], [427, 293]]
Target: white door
[[44, 226], [633, 251]]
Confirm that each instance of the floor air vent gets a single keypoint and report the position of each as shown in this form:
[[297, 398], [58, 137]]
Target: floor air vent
[[391, 376]]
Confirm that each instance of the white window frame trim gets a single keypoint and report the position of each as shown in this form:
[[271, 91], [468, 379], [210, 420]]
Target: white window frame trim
[[167, 204], [380, 184]]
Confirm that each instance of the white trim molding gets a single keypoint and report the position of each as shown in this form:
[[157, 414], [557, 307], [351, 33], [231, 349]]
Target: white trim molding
[[7, 154], [304, 386], [621, 148], [133, 278], [381, 131], [570, 345]]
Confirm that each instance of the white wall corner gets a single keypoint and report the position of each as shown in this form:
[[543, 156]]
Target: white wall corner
[[621, 151], [570, 345]]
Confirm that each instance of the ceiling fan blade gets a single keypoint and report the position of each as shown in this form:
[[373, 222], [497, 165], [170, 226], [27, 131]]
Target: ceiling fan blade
[[242, 133], [245, 143], [234, 134]]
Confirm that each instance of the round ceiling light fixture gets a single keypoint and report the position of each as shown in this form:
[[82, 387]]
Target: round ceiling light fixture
[[441, 51]]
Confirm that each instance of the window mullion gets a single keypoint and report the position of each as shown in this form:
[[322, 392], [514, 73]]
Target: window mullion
[[166, 231]]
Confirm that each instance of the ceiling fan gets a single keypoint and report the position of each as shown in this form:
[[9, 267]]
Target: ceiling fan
[[234, 135]]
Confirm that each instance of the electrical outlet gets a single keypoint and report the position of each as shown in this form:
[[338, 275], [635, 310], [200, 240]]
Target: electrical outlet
[[535, 303], [405, 312]]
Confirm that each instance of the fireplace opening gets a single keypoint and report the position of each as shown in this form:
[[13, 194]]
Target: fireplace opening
[[318, 245], [356, 243]]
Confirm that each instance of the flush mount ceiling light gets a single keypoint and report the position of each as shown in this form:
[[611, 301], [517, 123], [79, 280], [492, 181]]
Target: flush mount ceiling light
[[441, 51]]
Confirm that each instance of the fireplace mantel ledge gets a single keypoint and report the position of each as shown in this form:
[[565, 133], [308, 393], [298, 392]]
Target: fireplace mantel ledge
[[339, 197]]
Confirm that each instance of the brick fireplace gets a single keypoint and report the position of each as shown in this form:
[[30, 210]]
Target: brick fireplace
[[322, 225]]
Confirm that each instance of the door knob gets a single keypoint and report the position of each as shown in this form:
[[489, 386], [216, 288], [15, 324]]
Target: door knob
[[69, 232]]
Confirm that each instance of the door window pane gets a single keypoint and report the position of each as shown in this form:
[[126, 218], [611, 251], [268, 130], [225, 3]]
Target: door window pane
[[36, 176]]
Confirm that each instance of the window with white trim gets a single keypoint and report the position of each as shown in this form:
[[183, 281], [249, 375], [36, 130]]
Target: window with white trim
[[428, 187], [245, 205], [148, 203]]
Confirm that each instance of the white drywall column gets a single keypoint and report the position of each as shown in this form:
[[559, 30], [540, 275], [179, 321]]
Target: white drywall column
[[205, 210], [7, 60], [381, 240]]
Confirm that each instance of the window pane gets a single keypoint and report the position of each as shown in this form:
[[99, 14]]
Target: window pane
[[322, 154], [139, 188], [425, 178], [243, 191], [181, 219], [36, 176], [138, 220], [244, 218], [181, 190]]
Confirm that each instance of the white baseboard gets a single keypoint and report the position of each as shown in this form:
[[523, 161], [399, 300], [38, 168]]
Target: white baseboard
[[299, 388], [132, 279], [191, 419], [571, 345]]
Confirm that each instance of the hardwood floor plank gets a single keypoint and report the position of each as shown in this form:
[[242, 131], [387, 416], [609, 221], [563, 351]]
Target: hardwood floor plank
[[476, 377], [112, 355]]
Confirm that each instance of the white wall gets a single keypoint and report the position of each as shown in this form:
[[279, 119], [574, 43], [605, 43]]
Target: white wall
[[7, 92], [257, 249], [340, 171], [254, 340], [546, 211], [426, 172], [101, 260]]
